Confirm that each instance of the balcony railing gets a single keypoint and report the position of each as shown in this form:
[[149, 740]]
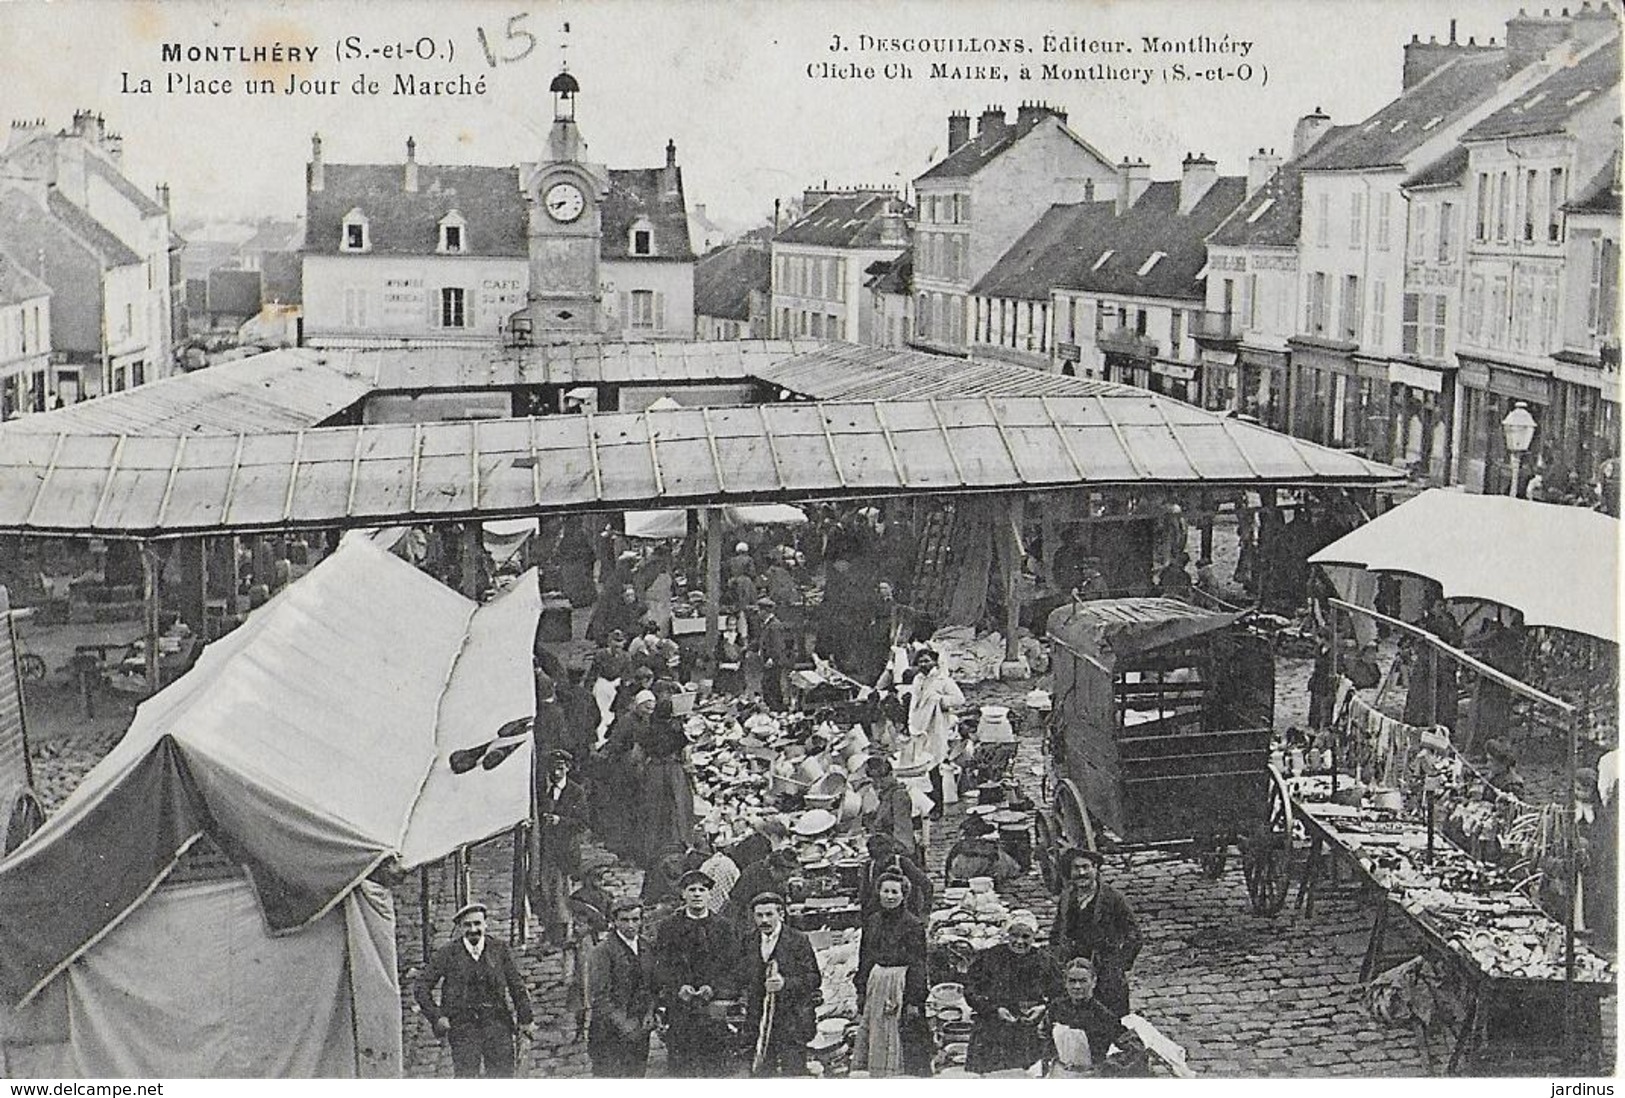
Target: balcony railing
[[1216, 325], [1126, 341]]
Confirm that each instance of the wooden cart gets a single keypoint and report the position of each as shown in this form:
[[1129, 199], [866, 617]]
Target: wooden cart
[[1160, 740]]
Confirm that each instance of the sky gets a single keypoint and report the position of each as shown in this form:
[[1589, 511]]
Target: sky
[[728, 82]]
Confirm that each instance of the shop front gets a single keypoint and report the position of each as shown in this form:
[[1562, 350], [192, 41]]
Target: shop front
[[1421, 420], [1489, 392], [1338, 399], [1179, 380]]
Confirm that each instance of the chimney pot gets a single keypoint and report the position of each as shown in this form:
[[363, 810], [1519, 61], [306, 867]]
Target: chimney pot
[[315, 169], [671, 152]]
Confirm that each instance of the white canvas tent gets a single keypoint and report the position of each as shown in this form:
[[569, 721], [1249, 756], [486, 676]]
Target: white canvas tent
[[312, 745], [1557, 566]]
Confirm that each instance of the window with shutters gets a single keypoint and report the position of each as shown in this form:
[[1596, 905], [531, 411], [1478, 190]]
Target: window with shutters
[[1356, 220], [1384, 220], [1351, 307], [1554, 207], [1481, 217], [644, 306], [1323, 219], [1420, 232], [1379, 309], [1423, 333], [1530, 181], [1447, 232], [1315, 313], [453, 312]]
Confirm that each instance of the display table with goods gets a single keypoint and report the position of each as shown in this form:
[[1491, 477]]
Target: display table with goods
[[1503, 949]]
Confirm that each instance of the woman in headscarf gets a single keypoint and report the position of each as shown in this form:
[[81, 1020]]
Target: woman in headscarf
[[617, 771], [893, 1037], [1008, 987]]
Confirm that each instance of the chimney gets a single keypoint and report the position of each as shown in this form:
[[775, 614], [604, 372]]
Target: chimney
[[1029, 115], [958, 129], [1133, 177], [671, 153], [163, 196], [1195, 180], [812, 196], [992, 124], [411, 181], [670, 176], [1592, 23], [776, 203], [313, 173], [1309, 130], [1088, 190], [1529, 37], [1260, 166]]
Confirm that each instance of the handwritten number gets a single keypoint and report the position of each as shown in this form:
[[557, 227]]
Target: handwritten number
[[514, 34]]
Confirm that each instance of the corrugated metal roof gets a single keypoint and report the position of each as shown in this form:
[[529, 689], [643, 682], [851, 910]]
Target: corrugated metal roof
[[847, 371], [343, 476], [279, 390]]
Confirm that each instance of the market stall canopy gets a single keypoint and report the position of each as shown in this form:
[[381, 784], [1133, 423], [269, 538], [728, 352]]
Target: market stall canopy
[[313, 743], [1106, 630], [764, 514], [1557, 566], [403, 473]]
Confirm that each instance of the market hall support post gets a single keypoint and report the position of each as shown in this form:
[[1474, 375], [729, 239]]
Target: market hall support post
[[1010, 565], [713, 578]]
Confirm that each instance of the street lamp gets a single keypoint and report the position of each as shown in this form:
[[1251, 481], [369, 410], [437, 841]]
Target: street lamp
[[1519, 430]]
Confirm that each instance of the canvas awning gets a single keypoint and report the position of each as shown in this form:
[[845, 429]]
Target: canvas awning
[[1557, 566], [1108, 629], [313, 743]]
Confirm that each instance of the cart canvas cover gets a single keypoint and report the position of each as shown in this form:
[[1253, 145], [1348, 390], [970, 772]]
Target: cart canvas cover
[[313, 745], [1106, 630]]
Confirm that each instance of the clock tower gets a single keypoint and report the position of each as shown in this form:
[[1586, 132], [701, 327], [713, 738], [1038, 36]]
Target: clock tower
[[564, 194]]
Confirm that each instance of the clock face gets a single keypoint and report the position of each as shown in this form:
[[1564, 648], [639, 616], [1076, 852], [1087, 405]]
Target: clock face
[[564, 202]]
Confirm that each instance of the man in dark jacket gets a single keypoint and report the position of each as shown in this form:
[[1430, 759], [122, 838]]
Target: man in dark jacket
[[1093, 920], [621, 983], [774, 640], [779, 966], [559, 814], [696, 963], [482, 995]]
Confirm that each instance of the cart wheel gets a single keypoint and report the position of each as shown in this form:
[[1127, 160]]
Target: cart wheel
[[1266, 859], [1072, 816], [31, 667], [1213, 854], [25, 818]]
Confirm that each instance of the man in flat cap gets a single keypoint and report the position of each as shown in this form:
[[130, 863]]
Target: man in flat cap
[[482, 998], [782, 989], [1093, 920], [622, 983], [696, 954], [559, 813]]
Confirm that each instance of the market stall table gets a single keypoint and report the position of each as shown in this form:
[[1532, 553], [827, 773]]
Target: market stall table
[[1497, 941]]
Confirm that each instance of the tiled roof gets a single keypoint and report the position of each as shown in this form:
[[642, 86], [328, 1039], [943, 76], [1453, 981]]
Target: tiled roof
[[1549, 104], [655, 193], [17, 284], [113, 251], [1385, 138], [984, 148], [1600, 196], [1449, 168], [892, 276], [274, 236], [1047, 252], [723, 281], [1066, 248], [400, 222], [1269, 218], [845, 221], [143, 202]]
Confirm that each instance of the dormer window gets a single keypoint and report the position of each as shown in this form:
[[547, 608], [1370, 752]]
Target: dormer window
[[355, 237], [642, 240], [453, 234]]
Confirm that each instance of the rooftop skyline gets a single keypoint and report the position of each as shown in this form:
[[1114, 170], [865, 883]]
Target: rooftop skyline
[[729, 83]]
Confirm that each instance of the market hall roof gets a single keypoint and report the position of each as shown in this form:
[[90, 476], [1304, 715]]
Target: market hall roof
[[301, 388], [122, 486]]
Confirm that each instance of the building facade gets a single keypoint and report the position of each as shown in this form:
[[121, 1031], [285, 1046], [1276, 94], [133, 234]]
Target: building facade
[[561, 249], [731, 293], [74, 178], [25, 341], [820, 261], [979, 200]]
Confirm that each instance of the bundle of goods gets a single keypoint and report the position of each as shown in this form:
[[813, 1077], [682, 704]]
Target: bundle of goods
[[974, 917]]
